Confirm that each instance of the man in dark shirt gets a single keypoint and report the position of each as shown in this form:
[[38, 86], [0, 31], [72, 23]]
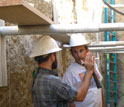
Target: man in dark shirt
[[48, 89]]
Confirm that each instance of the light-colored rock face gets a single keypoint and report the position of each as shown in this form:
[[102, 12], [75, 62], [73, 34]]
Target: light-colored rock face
[[120, 61], [44, 6], [20, 66]]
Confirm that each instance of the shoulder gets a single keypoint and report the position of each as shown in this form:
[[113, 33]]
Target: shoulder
[[70, 69]]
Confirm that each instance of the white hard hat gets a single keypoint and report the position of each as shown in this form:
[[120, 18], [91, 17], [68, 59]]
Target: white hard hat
[[44, 45], [77, 40]]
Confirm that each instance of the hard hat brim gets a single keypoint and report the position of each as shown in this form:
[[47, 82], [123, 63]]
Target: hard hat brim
[[35, 54], [69, 46]]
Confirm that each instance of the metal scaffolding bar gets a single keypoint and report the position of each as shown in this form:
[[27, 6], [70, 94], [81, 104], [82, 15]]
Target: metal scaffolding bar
[[117, 49], [106, 44], [114, 6], [107, 48], [107, 38], [108, 51], [61, 29], [114, 55]]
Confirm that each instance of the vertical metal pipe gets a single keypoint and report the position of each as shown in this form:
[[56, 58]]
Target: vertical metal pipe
[[97, 54], [115, 80], [108, 59], [114, 56], [108, 80], [3, 69]]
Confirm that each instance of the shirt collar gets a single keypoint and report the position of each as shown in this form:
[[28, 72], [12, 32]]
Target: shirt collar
[[79, 65], [47, 71]]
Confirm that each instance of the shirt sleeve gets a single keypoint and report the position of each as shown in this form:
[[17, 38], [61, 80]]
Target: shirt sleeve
[[65, 91]]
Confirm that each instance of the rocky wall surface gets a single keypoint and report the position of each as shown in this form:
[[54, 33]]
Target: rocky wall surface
[[120, 61], [120, 77], [20, 66], [44, 6], [19, 70]]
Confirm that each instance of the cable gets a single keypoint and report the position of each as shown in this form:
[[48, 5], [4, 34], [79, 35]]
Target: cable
[[113, 8]]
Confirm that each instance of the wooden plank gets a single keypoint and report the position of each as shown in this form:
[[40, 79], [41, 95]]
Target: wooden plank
[[21, 13], [3, 69]]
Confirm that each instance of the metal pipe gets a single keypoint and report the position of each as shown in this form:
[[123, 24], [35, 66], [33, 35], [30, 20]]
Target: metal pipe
[[107, 51], [111, 27], [29, 30], [114, 38], [97, 54], [116, 49], [113, 5], [107, 48], [106, 44], [58, 29]]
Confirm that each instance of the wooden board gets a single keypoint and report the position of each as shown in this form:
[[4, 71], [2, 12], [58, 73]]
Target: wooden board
[[21, 13]]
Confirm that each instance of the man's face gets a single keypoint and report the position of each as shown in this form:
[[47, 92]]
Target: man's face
[[79, 53], [54, 64]]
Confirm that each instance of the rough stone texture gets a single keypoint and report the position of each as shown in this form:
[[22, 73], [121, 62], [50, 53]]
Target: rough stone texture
[[64, 11], [120, 80], [20, 66], [120, 63], [44, 6]]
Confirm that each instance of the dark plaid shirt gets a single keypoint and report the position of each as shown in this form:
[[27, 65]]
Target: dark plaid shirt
[[49, 90]]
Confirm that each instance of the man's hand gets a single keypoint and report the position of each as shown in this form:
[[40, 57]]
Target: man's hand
[[89, 62], [83, 89]]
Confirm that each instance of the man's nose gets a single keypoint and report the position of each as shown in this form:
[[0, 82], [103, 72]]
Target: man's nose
[[79, 54]]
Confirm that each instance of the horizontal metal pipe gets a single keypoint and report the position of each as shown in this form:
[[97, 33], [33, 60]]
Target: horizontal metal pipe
[[46, 29], [111, 27], [107, 43], [107, 51], [107, 48], [58, 29], [116, 49], [30, 30], [114, 5]]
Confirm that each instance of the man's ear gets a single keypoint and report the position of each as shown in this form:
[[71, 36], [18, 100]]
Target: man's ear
[[52, 57], [71, 51]]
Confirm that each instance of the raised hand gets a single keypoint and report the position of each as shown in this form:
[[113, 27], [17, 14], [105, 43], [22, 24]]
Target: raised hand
[[89, 62]]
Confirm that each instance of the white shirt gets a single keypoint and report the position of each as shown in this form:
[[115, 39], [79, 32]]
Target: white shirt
[[74, 75]]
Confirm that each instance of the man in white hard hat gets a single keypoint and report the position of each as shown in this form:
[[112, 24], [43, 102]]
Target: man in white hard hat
[[76, 72], [48, 89]]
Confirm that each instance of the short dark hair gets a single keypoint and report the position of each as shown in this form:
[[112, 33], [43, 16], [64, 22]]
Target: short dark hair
[[42, 58]]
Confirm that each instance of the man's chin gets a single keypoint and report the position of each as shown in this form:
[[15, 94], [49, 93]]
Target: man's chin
[[78, 62]]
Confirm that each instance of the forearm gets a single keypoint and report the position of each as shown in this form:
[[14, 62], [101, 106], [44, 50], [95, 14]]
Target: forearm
[[82, 91], [72, 105]]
